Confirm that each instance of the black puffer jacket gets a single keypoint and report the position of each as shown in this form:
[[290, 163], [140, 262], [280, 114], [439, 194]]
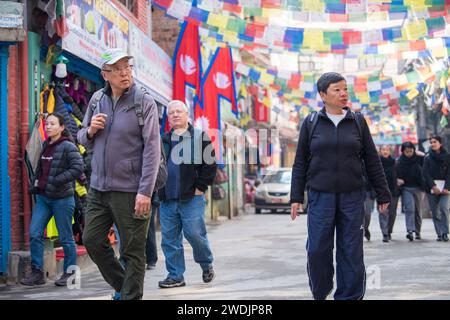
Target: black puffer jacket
[[66, 166], [410, 171], [334, 160], [436, 167]]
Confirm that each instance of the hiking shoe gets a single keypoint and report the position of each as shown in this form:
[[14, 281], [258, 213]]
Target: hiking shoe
[[367, 234], [62, 282], [115, 296], [418, 237], [445, 238], [35, 278], [171, 283], [208, 275], [409, 236], [150, 266], [439, 238]]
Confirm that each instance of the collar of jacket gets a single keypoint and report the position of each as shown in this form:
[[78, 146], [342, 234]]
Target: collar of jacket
[[348, 115], [190, 129], [108, 91]]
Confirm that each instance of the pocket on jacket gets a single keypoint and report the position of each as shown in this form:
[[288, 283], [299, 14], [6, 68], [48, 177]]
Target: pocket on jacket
[[122, 172]]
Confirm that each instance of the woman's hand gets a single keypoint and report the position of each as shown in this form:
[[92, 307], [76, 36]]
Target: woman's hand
[[400, 182]]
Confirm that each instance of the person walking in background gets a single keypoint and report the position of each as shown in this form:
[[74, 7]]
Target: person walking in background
[[333, 144], [369, 205], [387, 219], [121, 127], [437, 180], [54, 185], [191, 169], [410, 181]]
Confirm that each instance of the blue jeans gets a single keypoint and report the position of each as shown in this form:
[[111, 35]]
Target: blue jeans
[[439, 208], [412, 201], [187, 216], [43, 211]]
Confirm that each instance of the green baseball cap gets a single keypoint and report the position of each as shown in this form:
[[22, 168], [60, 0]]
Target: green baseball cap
[[113, 55]]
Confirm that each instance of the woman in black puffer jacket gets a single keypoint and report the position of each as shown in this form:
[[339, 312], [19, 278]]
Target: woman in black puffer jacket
[[60, 164], [436, 172], [410, 181]]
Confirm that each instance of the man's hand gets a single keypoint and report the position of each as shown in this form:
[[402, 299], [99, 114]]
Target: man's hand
[[198, 192], [98, 122], [400, 182], [142, 205], [383, 207], [294, 207], [445, 191]]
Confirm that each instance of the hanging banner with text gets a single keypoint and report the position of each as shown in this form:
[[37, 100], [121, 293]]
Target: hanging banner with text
[[94, 26], [152, 66]]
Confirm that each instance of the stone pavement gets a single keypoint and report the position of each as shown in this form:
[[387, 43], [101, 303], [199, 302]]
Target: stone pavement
[[264, 257]]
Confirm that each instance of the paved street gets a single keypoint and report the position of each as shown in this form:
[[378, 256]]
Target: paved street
[[264, 257]]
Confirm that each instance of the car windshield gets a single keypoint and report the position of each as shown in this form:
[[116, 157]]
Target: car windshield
[[278, 177]]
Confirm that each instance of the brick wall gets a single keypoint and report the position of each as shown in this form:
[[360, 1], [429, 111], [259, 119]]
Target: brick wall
[[14, 154], [165, 31]]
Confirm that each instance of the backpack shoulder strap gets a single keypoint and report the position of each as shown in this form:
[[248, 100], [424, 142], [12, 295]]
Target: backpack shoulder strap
[[359, 119], [95, 101], [311, 124], [138, 101]]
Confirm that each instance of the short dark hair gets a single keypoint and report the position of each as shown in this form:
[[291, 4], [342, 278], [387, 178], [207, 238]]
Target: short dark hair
[[436, 137], [328, 78], [407, 144]]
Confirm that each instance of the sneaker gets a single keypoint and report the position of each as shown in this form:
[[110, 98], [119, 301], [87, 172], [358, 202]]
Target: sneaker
[[150, 266], [62, 282], [35, 278], [208, 275], [418, 237], [171, 283], [439, 238], [445, 238], [115, 296], [385, 238], [367, 234], [410, 236]]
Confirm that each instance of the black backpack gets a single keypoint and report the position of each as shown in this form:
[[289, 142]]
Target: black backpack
[[161, 177], [138, 99]]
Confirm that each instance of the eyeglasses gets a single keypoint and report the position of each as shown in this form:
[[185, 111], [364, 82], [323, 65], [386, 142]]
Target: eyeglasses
[[117, 71]]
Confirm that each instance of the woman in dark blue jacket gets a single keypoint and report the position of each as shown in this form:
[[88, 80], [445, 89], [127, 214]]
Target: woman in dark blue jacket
[[329, 161], [60, 164], [436, 173]]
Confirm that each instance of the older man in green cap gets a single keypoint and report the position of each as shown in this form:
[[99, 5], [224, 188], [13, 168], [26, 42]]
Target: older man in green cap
[[121, 126]]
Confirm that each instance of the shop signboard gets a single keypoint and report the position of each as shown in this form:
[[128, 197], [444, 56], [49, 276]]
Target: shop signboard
[[11, 15], [94, 26], [152, 66]]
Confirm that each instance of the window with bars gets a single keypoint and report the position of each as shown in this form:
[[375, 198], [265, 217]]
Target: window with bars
[[130, 5]]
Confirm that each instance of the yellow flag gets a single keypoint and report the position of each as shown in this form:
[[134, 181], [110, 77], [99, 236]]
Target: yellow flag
[[415, 30], [412, 94], [217, 20]]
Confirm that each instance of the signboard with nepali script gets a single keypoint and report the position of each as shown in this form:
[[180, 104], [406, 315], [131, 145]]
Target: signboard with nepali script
[[11, 14], [152, 66], [94, 26]]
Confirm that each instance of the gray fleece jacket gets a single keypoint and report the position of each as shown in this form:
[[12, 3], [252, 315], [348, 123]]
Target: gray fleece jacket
[[125, 158]]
